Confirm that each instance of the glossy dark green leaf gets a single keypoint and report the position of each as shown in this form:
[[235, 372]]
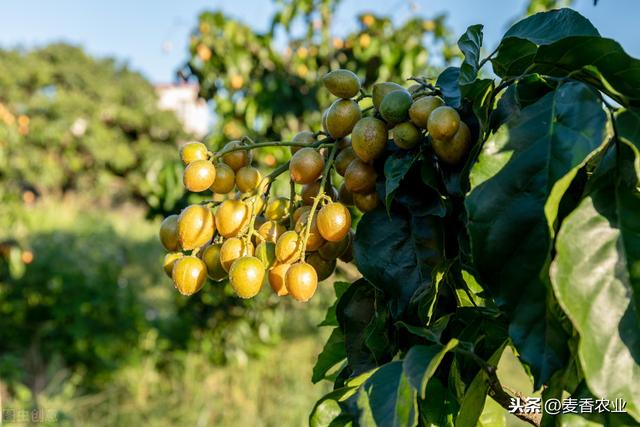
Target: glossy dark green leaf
[[597, 61], [333, 353], [520, 44], [396, 167], [387, 248], [421, 362], [327, 411], [380, 335], [596, 278], [448, 84], [387, 399], [470, 43], [528, 162], [330, 317]]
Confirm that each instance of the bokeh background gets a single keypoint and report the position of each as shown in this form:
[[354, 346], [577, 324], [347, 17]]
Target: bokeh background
[[95, 98]]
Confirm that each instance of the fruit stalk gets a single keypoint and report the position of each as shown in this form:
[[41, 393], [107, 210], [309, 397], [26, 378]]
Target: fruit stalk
[[318, 144]]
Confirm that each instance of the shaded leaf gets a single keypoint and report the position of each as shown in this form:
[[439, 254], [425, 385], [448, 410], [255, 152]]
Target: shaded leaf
[[448, 84], [421, 362], [330, 317], [332, 354], [470, 43], [396, 167]]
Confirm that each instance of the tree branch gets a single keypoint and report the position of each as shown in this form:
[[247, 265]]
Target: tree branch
[[497, 393]]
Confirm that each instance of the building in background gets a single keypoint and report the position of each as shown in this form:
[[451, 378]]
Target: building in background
[[182, 98]]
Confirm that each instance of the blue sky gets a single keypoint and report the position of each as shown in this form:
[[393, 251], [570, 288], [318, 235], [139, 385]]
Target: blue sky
[[151, 35]]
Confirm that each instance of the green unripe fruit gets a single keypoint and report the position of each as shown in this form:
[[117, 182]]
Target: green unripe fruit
[[422, 108], [266, 252], [369, 138], [454, 150], [342, 117], [380, 90], [406, 135], [395, 106], [342, 83], [443, 123]]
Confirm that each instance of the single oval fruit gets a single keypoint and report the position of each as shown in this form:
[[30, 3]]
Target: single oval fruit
[[369, 138], [342, 117], [266, 252], [306, 166], [343, 159], [277, 209], [342, 83], [345, 196], [310, 191], [225, 179], [169, 233], [236, 159], [315, 239], [443, 123], [271, 230], [380, 90], [334, 221], [422, 108], [304, 137], [169, 260], [232, 249], [189, 274], [454, 150], [366, 202], [232, 217], [246, 276], [360, 177], [192, 151], [195, 227], [288, 247], [277, 275], [324, 268], [211, 258], [299, 211], [199, 176], [395, 106], [301, 281], [248, 178], [406, 135], [333, 250]]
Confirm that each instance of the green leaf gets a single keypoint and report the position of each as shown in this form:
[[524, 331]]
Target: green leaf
[[327, 411], [596, 278], [628, 126], [516, 173], [387, 399], [493, 415], [520, 43], [332, 354], [330, 317], [395, 168], [448, 84], [594, 60], [440, 406], [470, 43], [421, 362], [400, 246]]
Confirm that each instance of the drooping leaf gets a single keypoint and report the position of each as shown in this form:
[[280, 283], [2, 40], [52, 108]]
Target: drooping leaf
[[396, 167], [421, 362], [333, 353], [387, 399], [596, 278], [520, 44], [387, 248], [470, 43], [448, 84]]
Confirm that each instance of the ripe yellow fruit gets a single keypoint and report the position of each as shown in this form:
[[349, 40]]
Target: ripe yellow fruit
[[406, 135], [306, 166], [443, 123], [232, 217], [422, 108], [192, 151], [288, 247], [277, 275], [236, 159], [360, 177], [305, 137], [195, 227], [248, 178], [199, 175], [342, 117], [380, 90], [369, 138], [342, 83], [343, 159], [255, 204], [169, 260], [266, 252], [211, 257], [454, 150], [315, 239], [277, 209], [271, 230], [225, 179], [324, 268], [169, 233], [189, 274], [246, 276], [366, 202], [232, 249], [334, 221], [301, 281]]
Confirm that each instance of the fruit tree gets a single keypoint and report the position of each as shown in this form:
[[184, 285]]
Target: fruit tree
[[482, 214]]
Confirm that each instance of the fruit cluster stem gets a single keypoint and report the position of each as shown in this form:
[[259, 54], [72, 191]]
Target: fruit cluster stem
[[228, 150]]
